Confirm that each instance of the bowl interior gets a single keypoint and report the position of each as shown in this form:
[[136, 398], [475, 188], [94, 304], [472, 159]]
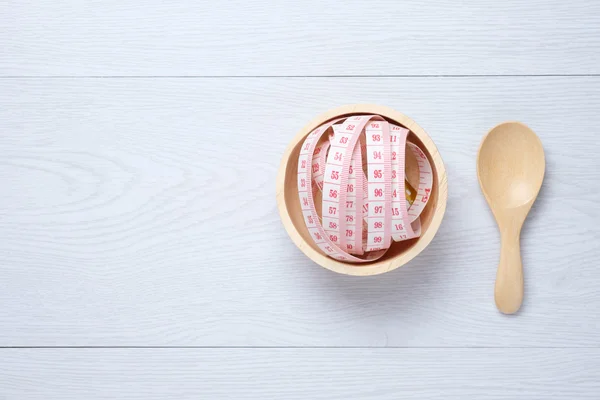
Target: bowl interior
[[397, 249]]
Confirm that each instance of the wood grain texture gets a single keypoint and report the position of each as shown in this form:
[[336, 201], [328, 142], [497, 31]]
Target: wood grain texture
[[119, 217], [353, 374], [311, 37]]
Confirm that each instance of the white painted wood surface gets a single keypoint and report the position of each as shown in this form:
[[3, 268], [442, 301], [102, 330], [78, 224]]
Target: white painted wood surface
[[121, 218], [332, 374], [118, 219], [309, 37]]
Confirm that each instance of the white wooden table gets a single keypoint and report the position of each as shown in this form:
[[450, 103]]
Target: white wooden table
[[123, 275]]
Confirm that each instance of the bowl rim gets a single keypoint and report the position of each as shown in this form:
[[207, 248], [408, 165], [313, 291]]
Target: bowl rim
[[377, 267]]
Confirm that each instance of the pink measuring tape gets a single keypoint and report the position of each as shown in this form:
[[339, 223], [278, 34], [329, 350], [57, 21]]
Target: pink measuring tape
[[362, 211]]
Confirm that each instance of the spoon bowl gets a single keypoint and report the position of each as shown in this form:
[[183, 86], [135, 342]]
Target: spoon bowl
[[510, 168]]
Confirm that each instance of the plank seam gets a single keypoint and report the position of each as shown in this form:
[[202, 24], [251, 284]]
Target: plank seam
[[292, 76]]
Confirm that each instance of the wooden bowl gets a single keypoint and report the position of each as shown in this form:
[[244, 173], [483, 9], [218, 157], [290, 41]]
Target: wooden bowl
[[400, 252]]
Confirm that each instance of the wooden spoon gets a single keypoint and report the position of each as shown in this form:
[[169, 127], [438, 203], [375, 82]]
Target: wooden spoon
[[510, 168]]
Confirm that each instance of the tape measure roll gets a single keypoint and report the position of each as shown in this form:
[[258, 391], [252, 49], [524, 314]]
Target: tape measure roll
[[357, 165], [294, 218]]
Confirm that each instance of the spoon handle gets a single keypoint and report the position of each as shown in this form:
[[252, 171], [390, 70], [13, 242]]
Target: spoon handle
[[509, 278]]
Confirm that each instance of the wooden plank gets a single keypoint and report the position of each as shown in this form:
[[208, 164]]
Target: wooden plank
[[353, 374], [120, 217], [310, 37]]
